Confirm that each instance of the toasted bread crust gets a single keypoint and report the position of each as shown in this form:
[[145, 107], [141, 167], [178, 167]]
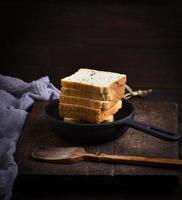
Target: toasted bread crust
[[86, 113], [93, 88], [78, 121], [98, 81], [103, 105], [113, 94]]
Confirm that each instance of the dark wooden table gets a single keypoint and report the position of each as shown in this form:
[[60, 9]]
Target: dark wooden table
[[118, 180]]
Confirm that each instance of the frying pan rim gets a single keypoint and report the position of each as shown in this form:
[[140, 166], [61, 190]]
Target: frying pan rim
[[103, 125]]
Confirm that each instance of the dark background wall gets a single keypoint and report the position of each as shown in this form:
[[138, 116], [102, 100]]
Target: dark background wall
[[55, 38]]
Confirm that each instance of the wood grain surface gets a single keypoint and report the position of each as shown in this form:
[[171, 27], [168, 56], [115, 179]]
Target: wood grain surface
[[38, 132]]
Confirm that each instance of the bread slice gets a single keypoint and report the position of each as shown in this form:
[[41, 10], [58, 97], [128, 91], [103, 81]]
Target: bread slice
[[103, 105], [117, 93], [101, 82], [86, 113], [78, 121]]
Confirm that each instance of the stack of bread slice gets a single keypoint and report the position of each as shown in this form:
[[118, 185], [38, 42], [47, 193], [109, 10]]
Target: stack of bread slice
[[91, 95]]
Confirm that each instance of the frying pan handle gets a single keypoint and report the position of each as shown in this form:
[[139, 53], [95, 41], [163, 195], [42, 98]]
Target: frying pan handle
[[152, 130]]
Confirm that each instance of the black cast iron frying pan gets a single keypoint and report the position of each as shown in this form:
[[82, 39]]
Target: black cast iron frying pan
[[100, 133]]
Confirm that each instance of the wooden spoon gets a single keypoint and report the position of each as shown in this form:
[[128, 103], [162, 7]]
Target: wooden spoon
[[76, 154]]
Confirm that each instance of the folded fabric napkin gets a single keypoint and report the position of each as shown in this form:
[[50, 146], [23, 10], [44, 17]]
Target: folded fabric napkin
[[16, 96]]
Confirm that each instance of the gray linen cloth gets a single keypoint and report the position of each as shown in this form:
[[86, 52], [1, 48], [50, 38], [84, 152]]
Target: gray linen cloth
[[16, 96]]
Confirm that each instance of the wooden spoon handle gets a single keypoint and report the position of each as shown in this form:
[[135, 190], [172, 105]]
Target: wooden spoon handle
[[134, 160]]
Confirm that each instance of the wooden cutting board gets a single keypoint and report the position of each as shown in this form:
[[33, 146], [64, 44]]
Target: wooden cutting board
[[37, 131]]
